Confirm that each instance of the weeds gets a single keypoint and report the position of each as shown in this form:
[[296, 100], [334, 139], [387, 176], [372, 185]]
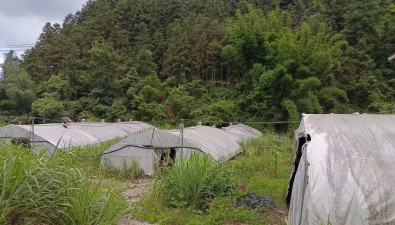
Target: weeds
[[263, 168], [56, 190], [268, 143], [132, 171], [35, 189], [86, 158], [193, 182]]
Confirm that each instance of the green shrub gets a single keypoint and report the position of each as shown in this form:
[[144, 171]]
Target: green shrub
[[193, 182], [35, 189]]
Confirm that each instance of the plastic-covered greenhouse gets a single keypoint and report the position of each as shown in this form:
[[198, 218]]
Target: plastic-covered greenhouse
[[344, 170], [150, 149], [51, 137], [153, 147], [244, 132]]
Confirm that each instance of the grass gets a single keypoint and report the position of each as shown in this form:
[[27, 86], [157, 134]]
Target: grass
[[35, 189], [132, 171], [86, 158], [193, 182], [68, 187], [263, 168]]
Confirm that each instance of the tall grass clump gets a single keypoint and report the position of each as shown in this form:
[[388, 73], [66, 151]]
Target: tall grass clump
[[193, 182], [35, 189]]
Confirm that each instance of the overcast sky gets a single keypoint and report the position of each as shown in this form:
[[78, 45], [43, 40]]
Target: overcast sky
[[21, 21]]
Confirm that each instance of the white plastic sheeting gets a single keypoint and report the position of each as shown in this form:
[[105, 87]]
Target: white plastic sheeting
[[244, 132], [217, 143], [60, 136], [146, 148], [346, 172]]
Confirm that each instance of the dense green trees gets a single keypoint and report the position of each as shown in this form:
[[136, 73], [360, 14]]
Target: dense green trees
[[214, 60], [16, 87]]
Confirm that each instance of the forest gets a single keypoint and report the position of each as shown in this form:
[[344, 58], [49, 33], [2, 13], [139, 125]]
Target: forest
[[209, 60]]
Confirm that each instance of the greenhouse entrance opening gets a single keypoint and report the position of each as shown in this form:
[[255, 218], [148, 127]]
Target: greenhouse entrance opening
[[167, 157], [21, 141], [301, 142]]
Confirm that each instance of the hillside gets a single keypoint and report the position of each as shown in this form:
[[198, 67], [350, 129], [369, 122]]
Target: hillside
[[216, 60]]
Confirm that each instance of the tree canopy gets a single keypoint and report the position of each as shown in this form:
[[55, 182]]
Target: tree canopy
[[222, 60]]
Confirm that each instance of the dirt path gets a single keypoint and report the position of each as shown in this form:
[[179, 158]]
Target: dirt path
[[133, 192]]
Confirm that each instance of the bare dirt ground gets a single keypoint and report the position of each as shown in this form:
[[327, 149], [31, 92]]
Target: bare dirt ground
[[133, 192]]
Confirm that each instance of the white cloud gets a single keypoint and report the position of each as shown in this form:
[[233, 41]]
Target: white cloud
[[50, 10], [1, 62], [21, 21], [23, 30]]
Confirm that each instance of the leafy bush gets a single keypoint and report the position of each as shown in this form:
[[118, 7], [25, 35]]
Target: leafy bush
[[193, 182], [48, 106], [35, 189]]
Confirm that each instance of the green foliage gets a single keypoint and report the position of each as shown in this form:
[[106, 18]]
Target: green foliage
[[132, 171], [332, 98], [11, 61], [179, 103], [46, 190], [221, 111], [18, 91], [221, 212], [150, 111], [48, 107], [193, 182], [163, 60], [255, 170]]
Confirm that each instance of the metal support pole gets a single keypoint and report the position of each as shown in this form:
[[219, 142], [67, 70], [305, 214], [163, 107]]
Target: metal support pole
[[33, 118], [275, 163], [182, 138]]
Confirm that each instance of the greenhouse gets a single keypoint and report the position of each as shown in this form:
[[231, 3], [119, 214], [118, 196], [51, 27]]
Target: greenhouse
[[51, 137], [343, 170], [217, 143], [244, 132], [150, 149], [153, 148]]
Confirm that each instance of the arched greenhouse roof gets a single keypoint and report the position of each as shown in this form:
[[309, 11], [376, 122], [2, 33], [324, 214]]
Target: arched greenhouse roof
[[217, 143], [72, 134], [243, 131]]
